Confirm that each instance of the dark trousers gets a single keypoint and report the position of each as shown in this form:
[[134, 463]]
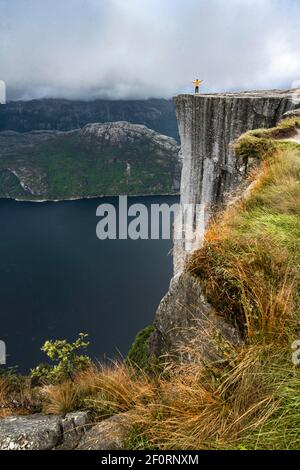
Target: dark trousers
[[196, 89]]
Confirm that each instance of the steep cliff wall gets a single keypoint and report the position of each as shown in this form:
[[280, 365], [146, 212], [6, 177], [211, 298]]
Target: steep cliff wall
[[208, 124]]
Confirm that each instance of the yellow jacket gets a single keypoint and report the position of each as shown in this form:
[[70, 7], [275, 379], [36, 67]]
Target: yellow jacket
[[197, 82]]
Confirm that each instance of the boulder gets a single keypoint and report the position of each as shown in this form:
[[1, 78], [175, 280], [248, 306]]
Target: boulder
[[34, 432], [73, 426], [110, 434], [183, 317], [42, 432]]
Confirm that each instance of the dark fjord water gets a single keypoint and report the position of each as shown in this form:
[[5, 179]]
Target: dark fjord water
[[57, 279]]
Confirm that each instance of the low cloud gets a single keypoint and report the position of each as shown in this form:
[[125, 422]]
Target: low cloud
[[146, 48]]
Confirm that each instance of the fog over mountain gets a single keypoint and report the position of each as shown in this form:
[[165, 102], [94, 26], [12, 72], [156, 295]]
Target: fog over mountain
[[146, 48]]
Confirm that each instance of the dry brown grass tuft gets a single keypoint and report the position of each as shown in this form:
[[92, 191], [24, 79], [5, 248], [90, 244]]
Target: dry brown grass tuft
[[114, 388], [191, 406], [5, 389], [17, 397], [60, 399], [199, 407], [103, 389]]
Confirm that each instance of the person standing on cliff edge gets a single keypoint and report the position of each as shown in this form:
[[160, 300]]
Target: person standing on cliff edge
[[197, 83]]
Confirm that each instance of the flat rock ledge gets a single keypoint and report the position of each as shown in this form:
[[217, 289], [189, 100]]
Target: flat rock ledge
[[49, 432]]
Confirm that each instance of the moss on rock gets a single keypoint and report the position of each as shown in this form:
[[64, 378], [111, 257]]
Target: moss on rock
[[138, 353]]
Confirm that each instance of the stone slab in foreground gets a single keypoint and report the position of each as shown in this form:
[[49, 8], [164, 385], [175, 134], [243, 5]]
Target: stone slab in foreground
[[42, 432]]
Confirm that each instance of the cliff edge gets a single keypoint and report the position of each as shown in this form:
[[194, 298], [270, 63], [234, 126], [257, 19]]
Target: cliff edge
[[208, 126]]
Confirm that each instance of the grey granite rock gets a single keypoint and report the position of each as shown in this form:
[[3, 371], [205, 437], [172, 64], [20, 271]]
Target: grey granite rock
[[35, 432], [123, 132], [184, 315], [107, 435], [291, 114], [42, 432], [73, 426]]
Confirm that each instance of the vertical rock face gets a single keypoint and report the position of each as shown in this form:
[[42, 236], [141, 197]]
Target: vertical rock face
[[207, 126]]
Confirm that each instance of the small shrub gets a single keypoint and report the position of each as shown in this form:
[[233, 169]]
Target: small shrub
[[17, 396], [67, 361]]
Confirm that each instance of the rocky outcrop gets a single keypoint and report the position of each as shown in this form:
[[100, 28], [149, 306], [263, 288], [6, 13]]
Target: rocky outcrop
[[109, 434], [185, 315], [120, 134], [292, 113], [43, 432], [208, 124], [98, 160], [74, 431]]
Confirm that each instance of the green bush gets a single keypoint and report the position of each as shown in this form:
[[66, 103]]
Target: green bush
[[138, 354], [65, 358], [249, 146]]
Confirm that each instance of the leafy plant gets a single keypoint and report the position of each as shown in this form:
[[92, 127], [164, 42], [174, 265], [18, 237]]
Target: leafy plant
[[66, 360]]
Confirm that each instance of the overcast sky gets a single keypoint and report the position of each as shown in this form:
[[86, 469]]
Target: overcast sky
[[146, 48]]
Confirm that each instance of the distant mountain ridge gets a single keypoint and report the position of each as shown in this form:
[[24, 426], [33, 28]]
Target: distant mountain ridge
[[98, 160], [65, 115]]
